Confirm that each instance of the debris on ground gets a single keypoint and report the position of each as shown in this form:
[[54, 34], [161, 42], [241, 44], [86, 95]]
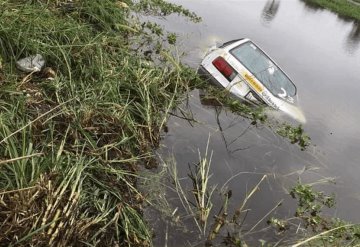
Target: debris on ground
[[122, 5], [31, 63], [49, 73]]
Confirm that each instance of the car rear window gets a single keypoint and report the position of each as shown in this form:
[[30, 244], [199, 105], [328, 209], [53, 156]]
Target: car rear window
[[264, 69], [229, 43]]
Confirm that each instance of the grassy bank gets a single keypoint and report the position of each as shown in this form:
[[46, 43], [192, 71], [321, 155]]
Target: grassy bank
[[344, 8], [73, 135]]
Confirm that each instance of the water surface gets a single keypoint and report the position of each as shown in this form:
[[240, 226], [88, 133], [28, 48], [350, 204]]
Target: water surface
[[320, 51]]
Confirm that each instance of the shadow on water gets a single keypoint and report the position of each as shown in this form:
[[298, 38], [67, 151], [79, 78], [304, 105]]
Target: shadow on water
[[269, 11], [352, 42]]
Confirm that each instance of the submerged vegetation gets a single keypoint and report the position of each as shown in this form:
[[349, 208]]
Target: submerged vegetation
[[193, 200], [257, 114], [295, 135]]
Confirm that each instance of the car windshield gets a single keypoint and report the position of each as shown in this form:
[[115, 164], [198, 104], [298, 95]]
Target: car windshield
[[261, 66]]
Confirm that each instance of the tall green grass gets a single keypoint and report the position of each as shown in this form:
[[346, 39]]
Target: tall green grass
[[70, 145]]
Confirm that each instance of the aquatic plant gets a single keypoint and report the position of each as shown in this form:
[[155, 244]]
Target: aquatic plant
[[256, 113], [223, 97], [318, 228], [200, 176], [310, 203], [295, 135]]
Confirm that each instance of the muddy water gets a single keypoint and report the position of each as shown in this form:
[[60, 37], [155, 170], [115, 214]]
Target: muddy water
[[321, 53]]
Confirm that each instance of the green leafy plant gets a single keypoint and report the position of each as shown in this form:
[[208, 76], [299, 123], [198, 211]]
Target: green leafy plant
[[324, 230], [295, 135], [172, 38], [164, 8], [311, 203]]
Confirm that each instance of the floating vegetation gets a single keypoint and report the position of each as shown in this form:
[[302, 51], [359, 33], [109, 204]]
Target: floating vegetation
[[257, 114], [295, 135], [222, 97], [318, 228]]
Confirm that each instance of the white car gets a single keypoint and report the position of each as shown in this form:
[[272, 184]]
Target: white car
[[249, 73]]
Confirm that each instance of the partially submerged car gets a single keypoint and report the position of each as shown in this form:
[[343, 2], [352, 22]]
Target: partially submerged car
[[249, 73]]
